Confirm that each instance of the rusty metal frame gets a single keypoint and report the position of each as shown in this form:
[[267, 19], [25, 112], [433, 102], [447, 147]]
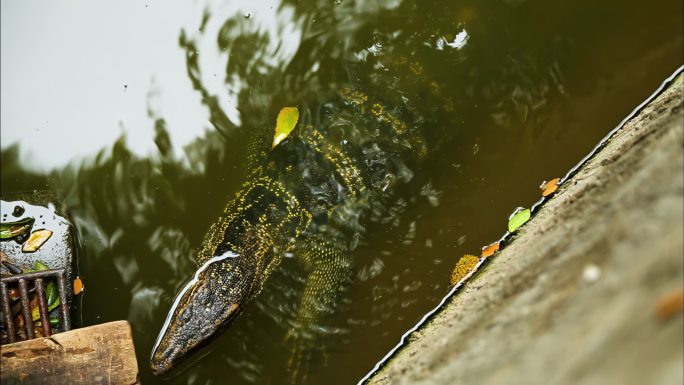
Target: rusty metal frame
[[38, 278]]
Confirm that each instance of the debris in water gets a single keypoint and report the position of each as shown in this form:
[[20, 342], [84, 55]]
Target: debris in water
[[489, 250], [78, 286], [519, 217], [549, 187], [460, 40], [36, 240], [285, 123], [464, 266]]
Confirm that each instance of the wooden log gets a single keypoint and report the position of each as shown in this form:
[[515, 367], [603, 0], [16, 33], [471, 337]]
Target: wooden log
[[101, 354]]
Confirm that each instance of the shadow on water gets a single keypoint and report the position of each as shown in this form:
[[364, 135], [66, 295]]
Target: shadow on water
[[506, 94]]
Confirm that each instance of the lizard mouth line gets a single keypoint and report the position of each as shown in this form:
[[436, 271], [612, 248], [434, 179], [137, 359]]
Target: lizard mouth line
[[191, 283]]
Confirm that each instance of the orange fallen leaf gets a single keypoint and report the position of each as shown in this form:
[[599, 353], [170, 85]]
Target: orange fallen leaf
[[670, 304], [78, 286], [489, 250], [463, 267], [549, 187]]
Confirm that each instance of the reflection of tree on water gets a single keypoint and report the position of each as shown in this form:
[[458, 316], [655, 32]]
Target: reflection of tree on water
[[142, 217]]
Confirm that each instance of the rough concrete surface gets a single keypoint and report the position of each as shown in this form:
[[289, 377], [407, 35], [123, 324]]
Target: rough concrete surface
[[574, 298]]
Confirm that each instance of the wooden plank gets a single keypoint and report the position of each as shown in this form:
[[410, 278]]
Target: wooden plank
[[101, 354]]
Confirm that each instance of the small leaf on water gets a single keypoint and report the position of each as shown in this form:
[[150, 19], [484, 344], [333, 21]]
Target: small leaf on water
[[489, 250], [549, 187], [286, 122], [464, 266], [36, 240], [519, 217]]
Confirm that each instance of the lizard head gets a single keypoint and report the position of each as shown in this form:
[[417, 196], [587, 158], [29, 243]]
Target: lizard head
[[203, 307], [238, 253]]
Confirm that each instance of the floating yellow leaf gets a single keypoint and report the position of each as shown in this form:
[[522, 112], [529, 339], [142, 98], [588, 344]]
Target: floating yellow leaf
[[549, 187], [489, 250], [286, 122], [36, 240], [464, 266]]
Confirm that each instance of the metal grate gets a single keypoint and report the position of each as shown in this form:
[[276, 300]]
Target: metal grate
[[38, 279]]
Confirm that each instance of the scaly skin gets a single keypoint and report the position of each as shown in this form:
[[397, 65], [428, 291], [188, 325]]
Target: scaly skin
[[308, 196]]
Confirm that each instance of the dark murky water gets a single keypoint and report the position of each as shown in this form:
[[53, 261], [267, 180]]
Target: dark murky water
[[513, 92]]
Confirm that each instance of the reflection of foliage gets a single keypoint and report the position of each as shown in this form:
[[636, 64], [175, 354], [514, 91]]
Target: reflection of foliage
[[217, 117], [15, 177], [389, 49]]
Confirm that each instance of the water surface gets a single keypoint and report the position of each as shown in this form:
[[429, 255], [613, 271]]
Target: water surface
[[514, 92]]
